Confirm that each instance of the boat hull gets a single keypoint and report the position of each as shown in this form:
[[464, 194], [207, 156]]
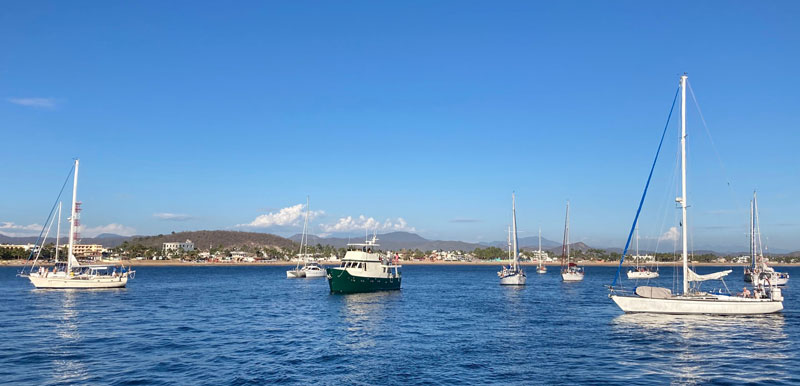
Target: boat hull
[[541, 270], [515, 279], [688, 306], [571, 276], [777, 279], [295, 274], [342, 282], [642, 275], [78, 282], [311, 274]]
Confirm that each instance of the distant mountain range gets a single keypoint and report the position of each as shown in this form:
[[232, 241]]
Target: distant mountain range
[[388, 241], [525, 242], [394, 241]]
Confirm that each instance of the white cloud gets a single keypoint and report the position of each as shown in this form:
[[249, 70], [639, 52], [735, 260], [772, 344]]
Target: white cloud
[[117, 229], [46, 103], [16, 230], [172, 216], [349, 223], [289, 216], [672, 234]]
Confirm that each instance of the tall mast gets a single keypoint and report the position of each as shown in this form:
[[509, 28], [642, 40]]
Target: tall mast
[[752, 235], [759, 247], [514, 227], [682, 198], [565, 242], [73, 218], [303, 238], [508, 241], [567, 232], [58, 229], [540, 247]]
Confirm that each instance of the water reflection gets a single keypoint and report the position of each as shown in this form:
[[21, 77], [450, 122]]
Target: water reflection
[[365, 315], [64, 306], [693, 349]]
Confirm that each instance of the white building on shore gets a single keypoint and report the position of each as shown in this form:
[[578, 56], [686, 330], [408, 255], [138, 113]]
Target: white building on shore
[[187, 246]]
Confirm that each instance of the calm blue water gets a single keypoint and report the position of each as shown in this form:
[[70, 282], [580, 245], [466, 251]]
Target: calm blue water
[[449, 325]]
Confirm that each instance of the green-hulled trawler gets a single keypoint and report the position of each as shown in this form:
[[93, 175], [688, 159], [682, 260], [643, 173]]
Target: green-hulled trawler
[[363, 270]]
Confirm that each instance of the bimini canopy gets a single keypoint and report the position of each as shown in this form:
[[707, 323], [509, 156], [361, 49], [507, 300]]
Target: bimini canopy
[[693, 276]]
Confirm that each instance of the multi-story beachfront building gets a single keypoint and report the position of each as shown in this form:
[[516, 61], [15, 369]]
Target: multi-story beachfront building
[[26, 247], [83, 250], [174, 247]]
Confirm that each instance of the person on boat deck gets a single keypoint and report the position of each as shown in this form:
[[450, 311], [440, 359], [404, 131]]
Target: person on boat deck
[[364, 249], [745, 292], [369, 250]]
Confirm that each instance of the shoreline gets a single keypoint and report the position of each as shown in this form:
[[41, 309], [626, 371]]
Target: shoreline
[[171, 263]]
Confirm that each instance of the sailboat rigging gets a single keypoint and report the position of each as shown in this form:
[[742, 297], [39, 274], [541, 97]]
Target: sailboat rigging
[[764, 299], [513, 274], [569, 271]]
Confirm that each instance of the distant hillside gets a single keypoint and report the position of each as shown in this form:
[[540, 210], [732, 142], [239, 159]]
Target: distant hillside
[[107, 240], [579, 246], [394, 241], [526, 242], [228, 239]]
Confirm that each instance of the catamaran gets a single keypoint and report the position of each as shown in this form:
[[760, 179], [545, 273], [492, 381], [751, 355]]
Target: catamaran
[[758, 263], [363, 269], [513, 274], [569, 271], [541, 268], [763, 300], [641, 271], [72, 274], [310, 268]]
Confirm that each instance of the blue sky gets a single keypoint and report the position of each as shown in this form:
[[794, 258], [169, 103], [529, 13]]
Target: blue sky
[[417, 115]]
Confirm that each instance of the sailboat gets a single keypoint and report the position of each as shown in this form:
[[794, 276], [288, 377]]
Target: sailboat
[[641, 271], [71, 274], [541, 268], [310, 268], [569, 271], [661, 300], [758, 264], [513, 274]]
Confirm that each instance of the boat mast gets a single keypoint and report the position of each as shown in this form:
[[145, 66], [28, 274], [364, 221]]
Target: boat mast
[[303, 239], [540, 246], [759, 247], [682, 198], [508, 242], [514, 227], [638, 256], [58, 230], [564, 253], [73, 218], [566, 233], [752, 238]]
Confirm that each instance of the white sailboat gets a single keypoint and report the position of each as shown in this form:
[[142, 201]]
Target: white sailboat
[[309, 269], [759, 268], [513, 274], [569, 271], [72, 274], [641, 271], [541, 268], [648, 299]]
